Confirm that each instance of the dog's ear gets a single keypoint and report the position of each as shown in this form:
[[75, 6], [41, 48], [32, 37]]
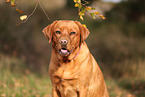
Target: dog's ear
[[83, 31], [47, 31]]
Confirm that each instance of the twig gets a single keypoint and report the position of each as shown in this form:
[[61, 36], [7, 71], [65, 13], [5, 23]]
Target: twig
[[32, 12], [38, 2], [43, 10]]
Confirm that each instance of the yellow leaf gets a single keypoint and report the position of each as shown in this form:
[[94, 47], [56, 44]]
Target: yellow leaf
[[20, 11], [79, 1], [102, 17], [81, 17], [23, 17], [7, 1], [81, 13], [96, 13], [13, 5], [77, 5], [84, 25], [75, 1], [88, 8]]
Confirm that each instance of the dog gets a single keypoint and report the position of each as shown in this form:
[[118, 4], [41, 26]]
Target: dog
[[73, 70]]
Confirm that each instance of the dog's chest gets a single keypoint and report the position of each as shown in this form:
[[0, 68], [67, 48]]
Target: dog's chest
[[66, 79]]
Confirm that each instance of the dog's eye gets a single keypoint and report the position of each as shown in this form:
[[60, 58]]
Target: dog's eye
[[72, 33], [57, 32]]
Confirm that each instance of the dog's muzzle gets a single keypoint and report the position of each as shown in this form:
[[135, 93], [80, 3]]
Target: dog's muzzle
[[64, 52]]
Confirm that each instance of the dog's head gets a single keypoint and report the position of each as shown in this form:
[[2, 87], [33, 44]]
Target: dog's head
[[66, 35]]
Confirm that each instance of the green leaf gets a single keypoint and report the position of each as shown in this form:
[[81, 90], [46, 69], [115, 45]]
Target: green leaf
[[79, 1], [81, 17], [83, 10], [80, 6], [93, 8], [12, 2], [93, 15], [81, 13]]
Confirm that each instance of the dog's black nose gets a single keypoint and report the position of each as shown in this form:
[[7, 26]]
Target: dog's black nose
[[63, 41]]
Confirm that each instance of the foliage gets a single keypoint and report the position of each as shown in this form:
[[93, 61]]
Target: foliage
[[82, 8], [12, 3], [24, 18]]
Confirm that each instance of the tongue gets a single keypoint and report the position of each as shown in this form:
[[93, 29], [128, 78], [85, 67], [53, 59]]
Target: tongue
[[63, 51]]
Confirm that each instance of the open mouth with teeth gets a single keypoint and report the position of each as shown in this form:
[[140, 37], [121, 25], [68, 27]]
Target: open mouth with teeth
[[64, 52]]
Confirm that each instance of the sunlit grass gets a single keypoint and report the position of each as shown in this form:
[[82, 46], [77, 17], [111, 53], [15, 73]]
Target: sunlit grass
[[12, 85], [21, 83]]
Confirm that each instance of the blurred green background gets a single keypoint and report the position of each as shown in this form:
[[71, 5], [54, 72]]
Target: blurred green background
[[117, 43]]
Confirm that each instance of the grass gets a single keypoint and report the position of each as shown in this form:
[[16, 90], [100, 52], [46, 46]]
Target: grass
[[126, 87], [19, 81], [12, 85]]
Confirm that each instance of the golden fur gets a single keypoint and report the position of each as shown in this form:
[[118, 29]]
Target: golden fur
[[73, 70]]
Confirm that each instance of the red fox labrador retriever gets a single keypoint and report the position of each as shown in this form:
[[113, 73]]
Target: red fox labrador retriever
[[73, 70]]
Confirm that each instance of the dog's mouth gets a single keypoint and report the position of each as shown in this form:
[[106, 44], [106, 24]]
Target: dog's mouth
[[64, 51]]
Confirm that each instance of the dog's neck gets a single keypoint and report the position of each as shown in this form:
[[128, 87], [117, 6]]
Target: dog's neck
[[77, 52], [80, 51]]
